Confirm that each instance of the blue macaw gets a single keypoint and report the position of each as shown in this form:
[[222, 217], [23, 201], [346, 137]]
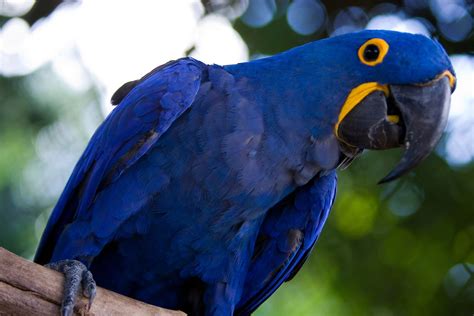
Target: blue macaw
[[207, 186]]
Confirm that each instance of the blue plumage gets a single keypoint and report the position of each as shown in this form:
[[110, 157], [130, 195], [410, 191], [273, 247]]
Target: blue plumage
[[286, 238], [207, 186]]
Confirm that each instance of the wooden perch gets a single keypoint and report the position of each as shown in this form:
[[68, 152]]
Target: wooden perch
[[27, 288]]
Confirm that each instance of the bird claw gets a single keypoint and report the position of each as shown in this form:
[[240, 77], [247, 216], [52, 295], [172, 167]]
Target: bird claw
[[76, 276], [89, 287]]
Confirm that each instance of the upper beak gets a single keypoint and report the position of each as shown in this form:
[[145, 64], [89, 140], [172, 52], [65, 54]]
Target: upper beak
[[410, 116]]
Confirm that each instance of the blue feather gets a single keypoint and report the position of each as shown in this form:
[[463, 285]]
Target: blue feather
[[286, 237]]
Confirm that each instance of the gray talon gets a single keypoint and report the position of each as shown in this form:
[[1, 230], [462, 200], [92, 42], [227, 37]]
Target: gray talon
[[88, 287], [76, 275]]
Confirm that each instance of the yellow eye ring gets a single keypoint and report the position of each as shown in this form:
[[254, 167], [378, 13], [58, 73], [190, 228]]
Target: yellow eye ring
[[373, 51]]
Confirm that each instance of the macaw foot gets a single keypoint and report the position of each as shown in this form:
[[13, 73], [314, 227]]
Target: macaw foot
[[76, 275]]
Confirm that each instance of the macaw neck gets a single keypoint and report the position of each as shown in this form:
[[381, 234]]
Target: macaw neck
[[304, 86], [300, 99]]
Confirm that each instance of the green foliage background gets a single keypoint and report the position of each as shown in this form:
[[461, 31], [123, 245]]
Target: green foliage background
[[405, 248]]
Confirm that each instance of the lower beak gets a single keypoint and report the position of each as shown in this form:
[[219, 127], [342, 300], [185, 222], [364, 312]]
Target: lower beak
[[412, 116]]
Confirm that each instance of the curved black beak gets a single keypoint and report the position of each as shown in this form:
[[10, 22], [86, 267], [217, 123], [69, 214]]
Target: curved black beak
[[412, 116]]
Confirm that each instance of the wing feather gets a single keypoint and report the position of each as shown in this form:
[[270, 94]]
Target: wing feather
[[146, 109], [286, 238]]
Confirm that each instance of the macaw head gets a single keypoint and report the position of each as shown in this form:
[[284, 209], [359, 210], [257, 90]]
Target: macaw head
[[400, 94]]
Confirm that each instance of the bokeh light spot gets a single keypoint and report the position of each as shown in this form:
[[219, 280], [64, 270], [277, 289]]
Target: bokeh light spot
[[459, 148], [211, 32], [15, 7], [348, 20], [306, 16], [259, 13], [458, 29], [457, 279], [355, 214], [396, 22], [454, 21], [406, 200]]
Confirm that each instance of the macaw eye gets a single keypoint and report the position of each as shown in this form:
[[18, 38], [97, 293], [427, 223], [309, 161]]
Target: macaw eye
[[373, 51]]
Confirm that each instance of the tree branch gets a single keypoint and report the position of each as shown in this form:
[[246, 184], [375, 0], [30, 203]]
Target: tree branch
[[27, 288]]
